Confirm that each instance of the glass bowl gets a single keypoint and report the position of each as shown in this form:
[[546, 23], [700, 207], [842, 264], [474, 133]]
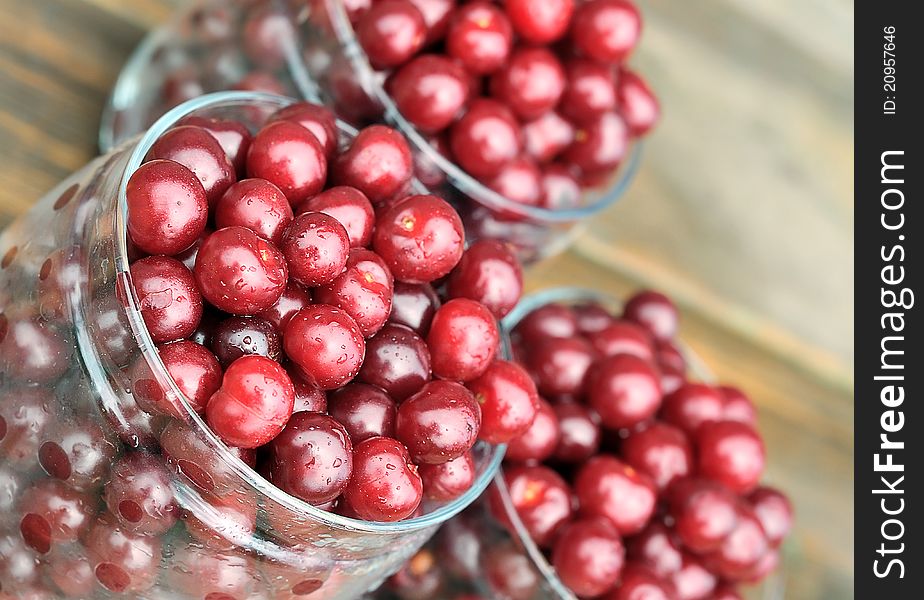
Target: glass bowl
[[74, 356], [316, 56]]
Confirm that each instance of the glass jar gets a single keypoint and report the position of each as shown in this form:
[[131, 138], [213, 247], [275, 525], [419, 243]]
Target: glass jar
[[316, 56], [76, 367]]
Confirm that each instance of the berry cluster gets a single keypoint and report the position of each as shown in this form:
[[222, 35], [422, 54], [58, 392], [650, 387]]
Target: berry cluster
[[531, 98]]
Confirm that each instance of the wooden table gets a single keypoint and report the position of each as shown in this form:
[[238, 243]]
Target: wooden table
[[718, 186]]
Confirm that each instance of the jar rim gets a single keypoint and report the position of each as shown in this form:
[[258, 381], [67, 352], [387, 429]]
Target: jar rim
[[149, 349]]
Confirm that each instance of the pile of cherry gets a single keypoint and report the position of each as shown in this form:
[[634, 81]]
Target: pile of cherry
[[531, 98], [297, 309]]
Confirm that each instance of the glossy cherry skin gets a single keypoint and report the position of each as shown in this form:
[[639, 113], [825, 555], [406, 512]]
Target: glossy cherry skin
[[414, 305], [420, 238], [531, 83], [168, 297], [439, 423], [549, 321], [654, 311], [692, 405], [33, 350], [449, 480], [693, 581], [607, 487], [139, 494], [254, 402], [364, 410], [257, 205], [242, 336], [385, 485], [660, 450], [378, 163], [774, 510], [590, 90], [738, 407], [623, 337], [239, 272], [267, 35], [509, 401], [233, 137], [430, 91], [480, 37], [312, 458], [540, 497], [294, 298], [540, 22], [199, 151], [560, 365], [486, 138], [228, 525], [731, 453], [397, 361], [391, 32], [637, 103], [123, 562], [588, 557], [53, 514], [167, 207], [539, 441], [319, 120], [624, 390], [364, 290], [326, 344], [78, 453], [640, 583], [742, 550], [194, 369], [704, 514], [209, 574], [436, 14], [547, 136], [24, 416], [308, 396], [606, 30], [592, 318], [579, 429], [600, 144], [520, 181], [350, 207], [316, 248], [290, 157], [510, 573], [463, 340], [658, 549]]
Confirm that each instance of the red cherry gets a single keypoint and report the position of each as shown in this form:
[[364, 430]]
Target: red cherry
[[726, 592], [693, 581], [486, 138], [623, 337], [541, 499], [168, 297], [480, 37], [738, 407], [414, 305], [378, 163], [588, 557], [319, 120], [254, 402], [290, 157], [742, 550], [257, 205], [294, 298], [657, 549], [704, 514], [233, 137], [538, 442], [692, 405], [546, 137], [580, 433], [600, 144], [326, 344], [77, 452], [364, 290], [731, 453], [463, 340], [397, 361], [140, 496], [123, 562], [509, 401], [196, 372], [391, 32], [590, 90], [560, 365], [350, 207], [531, 83], [774, 510], [71, 573], [592, 318], [385, 485], [436, 14], [560, 189], [430, 91], [654, 311], [211, 575], [199, 151], [449, 480], [540, 22], [624, 390], [167, 207], [364, 410], [240, 336], [660, 450], [53, 514], [637, 103], [606, 30], [439, 423], [607, 487], [520, 181], [510, 573], [316, 248], [639, 583], [33, 350], [308, 396], [268, 35]]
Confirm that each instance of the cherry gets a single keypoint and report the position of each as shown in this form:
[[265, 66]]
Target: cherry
[[539, 441], [378, 163], [580, 437], [228, 524], [414, 305], [654, 311], [509, 401], [257, 205], [449, 480], [294, 298], [397, 361], [188, 256], [34, 351], [742, 550], [509, 572], [19, 566], [671, 357], [624, 390], [385, 485], [364, 290], [53, 514], [194, 369], [364, 410], [139, 494], [350, 207], [289, 156], [326, 345], [660, 450], [167, 207], [704, 514], [656, 548], [726, 592], [549, 321], [187, 453], [560, 365], [588, 556], [260, 81], [639, 583], [545, 137], [459, 543], [233, 137], [774, 510], [319, 120], [623, 337], [253, 404], [692, 405], [480, 37], [210, 575], [391, 32], [637, 103], [439, 423], [312, 458], [199, 151], [520, 181], [308, 396], [316, 248], [541, 498], [169, 300], [607, 487], [436, 14], [592, 318], [123, 562], [606, 30], [430, 91], [590, 90], [71, 573], [487, 137], [268, 35], [731, 453], [239, 272], [540, 22], [463, 340], [693, 581], [203, 333], [420, 578], [243, 336], [600, 145], [766, 565], [77, 452], [24, 415], [420, 238], [531, 83], [738, 407]]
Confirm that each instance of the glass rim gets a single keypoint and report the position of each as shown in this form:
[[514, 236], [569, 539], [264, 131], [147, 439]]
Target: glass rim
[[149, 349], [456, 176]]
